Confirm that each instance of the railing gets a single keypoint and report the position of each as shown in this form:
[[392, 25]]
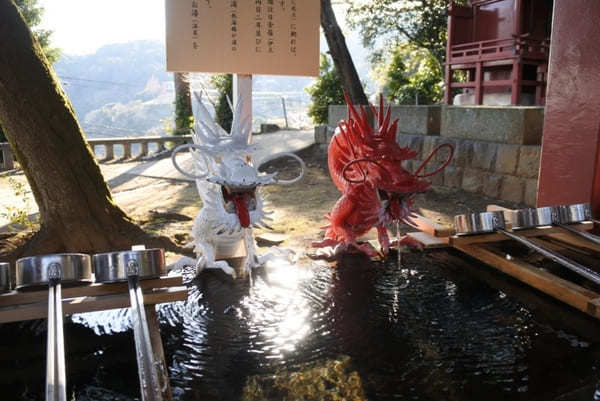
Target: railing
[[499, 49], [128, 145]]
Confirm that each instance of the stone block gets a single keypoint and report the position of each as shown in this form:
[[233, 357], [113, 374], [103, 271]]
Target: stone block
[[418, 120], [335, 114], [453, 177], [436, 179], [442, 155], [492, 186], [429, 143], [513, 189], [404, 140], [463, 153], [321, 134], [473, 179], [484, 155], [531, 187], [414, 120], [416, 144], [519, 125], [529, 161], [507, 158], [329, 135]]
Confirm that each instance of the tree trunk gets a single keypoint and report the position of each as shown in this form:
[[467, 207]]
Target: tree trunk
[[183, 103], [341, 56], [77, 213]]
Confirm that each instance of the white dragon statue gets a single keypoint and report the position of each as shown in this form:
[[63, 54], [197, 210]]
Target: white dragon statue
[[229, 183]]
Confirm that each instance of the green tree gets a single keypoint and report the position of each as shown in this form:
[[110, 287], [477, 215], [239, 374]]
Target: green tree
[[184, 117], [32, 14], [223, 83], [391, 22], [326, 90], [413, 76], [77, 211]]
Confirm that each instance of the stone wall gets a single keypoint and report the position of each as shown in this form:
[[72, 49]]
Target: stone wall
[[497, 149], [422, 120]]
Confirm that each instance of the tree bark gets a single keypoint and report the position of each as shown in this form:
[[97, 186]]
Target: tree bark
[[183, 103], [341, 56], [77, 212]]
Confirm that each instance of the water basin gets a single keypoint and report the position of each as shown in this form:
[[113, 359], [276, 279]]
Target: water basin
[[433, 328]]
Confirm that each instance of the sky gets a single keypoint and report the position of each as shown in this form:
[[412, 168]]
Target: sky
[[82, 26]]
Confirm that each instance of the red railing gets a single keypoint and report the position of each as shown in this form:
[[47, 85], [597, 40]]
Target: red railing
[[499, 49]]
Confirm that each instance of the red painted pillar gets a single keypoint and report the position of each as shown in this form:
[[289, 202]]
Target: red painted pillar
[[572, 115]]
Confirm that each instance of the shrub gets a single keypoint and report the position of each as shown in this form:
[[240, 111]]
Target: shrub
[[223, 83], [326, 90], [414, 75]]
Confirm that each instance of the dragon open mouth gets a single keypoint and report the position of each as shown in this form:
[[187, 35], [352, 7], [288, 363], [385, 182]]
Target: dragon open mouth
[[396, 204], [239, 200]]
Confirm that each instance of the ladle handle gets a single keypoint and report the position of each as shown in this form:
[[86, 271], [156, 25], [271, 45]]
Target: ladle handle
[[55, 348], [584, 234], [60, 345], [569, 264], [51, 391], [149, 384]]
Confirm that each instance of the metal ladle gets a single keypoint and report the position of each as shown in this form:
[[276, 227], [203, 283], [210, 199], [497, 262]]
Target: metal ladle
[[53, 270], [149, 383], [489, 222], [131, 266], [565, 215], [56, 381]]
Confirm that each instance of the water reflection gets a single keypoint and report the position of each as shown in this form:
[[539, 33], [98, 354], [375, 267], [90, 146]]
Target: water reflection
[[416, 331]]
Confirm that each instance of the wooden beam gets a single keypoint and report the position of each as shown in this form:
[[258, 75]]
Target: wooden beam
[[569, 293], [431, 227], [496, 237], [83, 304], [478, 84], [95, 289], [573, 240], [428, 241]]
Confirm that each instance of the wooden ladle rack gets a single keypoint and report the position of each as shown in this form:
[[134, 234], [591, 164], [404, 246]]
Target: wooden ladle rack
[[26, 305], [482, 247]]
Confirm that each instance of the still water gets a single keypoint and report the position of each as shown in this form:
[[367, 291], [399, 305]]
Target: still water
[[422, 330]]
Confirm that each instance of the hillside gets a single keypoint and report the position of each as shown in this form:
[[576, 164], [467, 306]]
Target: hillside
[[124, 90]]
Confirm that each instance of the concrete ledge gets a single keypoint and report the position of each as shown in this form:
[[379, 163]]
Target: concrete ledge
[[519, 125], [416, 120], [335, 114]]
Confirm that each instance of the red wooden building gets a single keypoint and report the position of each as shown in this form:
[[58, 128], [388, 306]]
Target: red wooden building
[[502, 48]]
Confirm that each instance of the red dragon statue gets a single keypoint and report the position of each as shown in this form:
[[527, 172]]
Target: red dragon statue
[[366, 166]]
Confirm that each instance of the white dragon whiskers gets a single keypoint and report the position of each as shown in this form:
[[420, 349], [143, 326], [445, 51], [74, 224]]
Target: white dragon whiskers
[[228, 182]]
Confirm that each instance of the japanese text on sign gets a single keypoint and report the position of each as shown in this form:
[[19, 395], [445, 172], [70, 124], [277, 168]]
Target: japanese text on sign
[[243, 36]]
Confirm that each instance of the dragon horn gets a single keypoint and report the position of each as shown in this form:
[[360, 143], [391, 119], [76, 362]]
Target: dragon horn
[[386, 122], [237, 115], [206, 119], [380, 114], [391, 132]]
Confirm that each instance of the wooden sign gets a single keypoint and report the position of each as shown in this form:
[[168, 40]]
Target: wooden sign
[[279, 37]]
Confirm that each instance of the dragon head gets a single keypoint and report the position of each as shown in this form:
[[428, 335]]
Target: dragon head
[[226, 161], [378, 159]]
